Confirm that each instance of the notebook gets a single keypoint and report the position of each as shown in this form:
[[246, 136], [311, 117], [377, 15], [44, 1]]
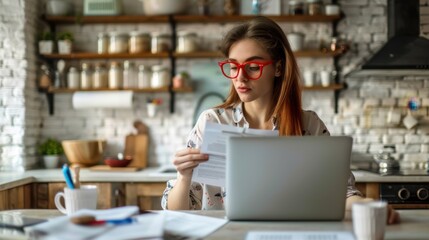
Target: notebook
[[287, 178]]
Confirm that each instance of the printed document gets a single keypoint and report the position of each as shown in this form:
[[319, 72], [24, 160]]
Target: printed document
[[291, 235], [213, 171]]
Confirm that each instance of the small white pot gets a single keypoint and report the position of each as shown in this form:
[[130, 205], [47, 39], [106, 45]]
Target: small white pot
[[64, 46], [46, 46], [51, 161], [58, 7]]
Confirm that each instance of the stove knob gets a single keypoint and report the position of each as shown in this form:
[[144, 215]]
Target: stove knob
[[422, 194], [403, 194]]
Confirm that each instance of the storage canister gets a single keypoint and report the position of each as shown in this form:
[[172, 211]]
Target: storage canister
[[296, 41], [115, 76], [160, 76], [100, 78], [85, 77], [129, 75], [186, 42], [73, 81], [160, 42], [118, 43], [139, 42], [314, 7], [102, 43], [296, 7], [144, 77]]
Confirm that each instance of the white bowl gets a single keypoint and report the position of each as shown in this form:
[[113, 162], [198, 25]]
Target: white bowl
[[164, 7], [58, 7]]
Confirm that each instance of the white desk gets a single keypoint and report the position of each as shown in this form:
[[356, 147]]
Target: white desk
[[414, 225]]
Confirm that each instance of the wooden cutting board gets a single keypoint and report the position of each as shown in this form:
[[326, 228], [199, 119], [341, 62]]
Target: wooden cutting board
[[137, 145], [106, 168]]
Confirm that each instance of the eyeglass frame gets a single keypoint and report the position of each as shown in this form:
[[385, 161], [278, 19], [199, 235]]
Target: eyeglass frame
[[241, 66]]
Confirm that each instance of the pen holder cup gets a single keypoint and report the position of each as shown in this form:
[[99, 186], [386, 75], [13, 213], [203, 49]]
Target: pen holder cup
[[77, 199]]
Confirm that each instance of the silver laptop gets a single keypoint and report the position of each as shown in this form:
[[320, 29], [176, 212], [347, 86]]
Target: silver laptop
[[287, 178]]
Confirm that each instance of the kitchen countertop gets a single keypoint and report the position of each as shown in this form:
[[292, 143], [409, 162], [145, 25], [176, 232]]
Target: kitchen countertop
[[10, 180]]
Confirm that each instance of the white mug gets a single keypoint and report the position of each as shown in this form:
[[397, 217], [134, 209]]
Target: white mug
[[77, 199], [308, 78], [332, 9], [296, 41], [369, 220], [325, 78]]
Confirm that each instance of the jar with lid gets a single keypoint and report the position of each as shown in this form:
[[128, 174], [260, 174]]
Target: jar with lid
[[314, 7], [186, 42], [102, 43], [73, 81], [296, 7], [160, 76], [129, 75], [99, 79], [160, 42], [115, 76], [118, 43], [144, 77], [139, 42], [85, 76]]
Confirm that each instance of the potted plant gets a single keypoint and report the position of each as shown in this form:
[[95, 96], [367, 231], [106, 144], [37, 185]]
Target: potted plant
[[51, 150], [46, 42], [65, 42]]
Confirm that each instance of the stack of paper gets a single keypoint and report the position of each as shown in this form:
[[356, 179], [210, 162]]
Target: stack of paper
[[290, 235], [149, 225]]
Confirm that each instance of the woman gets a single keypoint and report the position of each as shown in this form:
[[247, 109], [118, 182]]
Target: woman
[[265, 94]]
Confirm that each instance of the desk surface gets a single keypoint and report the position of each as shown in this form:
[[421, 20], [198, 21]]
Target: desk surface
[[414, 225]]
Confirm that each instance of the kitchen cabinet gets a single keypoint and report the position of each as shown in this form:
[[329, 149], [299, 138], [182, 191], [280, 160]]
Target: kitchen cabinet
[[173, 21], [109, 194], [20, 197], [146, 195]]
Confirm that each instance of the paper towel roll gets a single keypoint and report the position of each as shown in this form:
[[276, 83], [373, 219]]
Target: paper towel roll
[[103, 99]]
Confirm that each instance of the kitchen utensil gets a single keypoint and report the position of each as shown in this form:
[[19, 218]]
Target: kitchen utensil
[[76, 171], [84, 153], [136, 145], [385, 159]]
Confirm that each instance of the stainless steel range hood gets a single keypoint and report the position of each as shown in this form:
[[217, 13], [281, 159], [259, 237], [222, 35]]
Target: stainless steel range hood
[[405, 53]]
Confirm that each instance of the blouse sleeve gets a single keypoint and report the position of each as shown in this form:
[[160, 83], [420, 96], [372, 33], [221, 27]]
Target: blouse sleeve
[[194, 140]]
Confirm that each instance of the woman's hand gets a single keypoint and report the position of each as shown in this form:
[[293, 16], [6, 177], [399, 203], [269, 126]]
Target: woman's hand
[[392, 215], [187, 159]]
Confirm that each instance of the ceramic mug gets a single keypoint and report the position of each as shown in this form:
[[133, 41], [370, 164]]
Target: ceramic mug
[[77, 199], [296, 41]]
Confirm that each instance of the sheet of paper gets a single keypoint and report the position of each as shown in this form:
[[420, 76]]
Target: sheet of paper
[[287, 235], [191, 225], [212, 172]]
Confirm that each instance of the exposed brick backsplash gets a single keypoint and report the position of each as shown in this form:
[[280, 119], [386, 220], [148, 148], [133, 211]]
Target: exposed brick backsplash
[[363, 107]]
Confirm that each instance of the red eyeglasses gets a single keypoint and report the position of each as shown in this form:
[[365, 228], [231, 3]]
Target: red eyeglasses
[[252, 70]]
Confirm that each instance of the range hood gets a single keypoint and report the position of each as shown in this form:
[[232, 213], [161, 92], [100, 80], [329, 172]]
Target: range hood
[[405, 53]]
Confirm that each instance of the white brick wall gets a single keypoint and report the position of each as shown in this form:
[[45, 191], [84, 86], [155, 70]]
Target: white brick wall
[[363, 106]]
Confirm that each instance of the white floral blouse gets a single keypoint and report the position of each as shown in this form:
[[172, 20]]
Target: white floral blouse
[[207, 197]]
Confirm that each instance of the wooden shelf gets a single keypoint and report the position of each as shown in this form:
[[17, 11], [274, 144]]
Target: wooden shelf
[[137, 90], [243, 18], [322, 88], [202, 54], [183, 19], [86, 55], [183, 90], [104, 19]]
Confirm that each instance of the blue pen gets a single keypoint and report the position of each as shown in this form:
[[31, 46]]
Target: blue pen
[[67, 176]]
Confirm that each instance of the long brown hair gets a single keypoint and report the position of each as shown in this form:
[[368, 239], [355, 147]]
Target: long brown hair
[[286, 103]]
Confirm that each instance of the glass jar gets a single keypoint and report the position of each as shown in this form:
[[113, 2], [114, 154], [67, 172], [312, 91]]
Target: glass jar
[[115, 76], [144, 77], [160, 42], [186, 42], [296, 8], [129, 75], [102, 43], [118, 43], [314, 7], [139, 42], [85, 77], [160, 76], [73, 81], [99, 78]]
